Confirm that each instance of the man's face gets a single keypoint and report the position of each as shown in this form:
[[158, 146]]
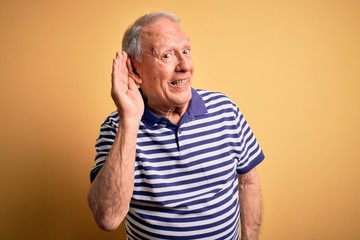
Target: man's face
[[166, 68]]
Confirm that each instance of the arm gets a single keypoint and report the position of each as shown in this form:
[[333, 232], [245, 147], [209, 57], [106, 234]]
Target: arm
[[250, 205], [110, 193]]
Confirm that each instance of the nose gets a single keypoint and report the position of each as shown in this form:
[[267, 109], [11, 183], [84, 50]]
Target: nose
[[184, 64]]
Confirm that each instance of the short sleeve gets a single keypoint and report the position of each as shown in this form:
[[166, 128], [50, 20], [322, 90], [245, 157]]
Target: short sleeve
[[250, 153], [104, 142]]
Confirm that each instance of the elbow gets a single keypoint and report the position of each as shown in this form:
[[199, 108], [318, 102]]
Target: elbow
[[250, 178], [108, 225], [107, 219], [110, 221]]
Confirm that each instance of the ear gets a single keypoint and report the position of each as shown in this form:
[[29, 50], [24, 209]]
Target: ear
[[132, 72]]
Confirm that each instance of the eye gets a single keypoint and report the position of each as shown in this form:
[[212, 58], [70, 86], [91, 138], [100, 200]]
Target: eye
[[167, 55], [186, 51]]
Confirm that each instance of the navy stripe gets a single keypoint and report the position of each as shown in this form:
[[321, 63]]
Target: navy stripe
[[178, 174], [182, 209], [178, 165], [184, 173]]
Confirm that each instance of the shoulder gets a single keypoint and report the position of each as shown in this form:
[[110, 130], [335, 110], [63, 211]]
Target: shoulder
[[111, 121], [213, 99]]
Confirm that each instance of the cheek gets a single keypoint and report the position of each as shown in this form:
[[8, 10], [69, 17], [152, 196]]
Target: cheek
[[192, 66], [157, 74], [165, 74]]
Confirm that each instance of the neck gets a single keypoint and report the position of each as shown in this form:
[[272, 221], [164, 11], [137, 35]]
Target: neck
[[173, 114]]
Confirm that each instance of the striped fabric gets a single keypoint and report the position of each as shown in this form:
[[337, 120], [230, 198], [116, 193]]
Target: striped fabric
[[186, 175]]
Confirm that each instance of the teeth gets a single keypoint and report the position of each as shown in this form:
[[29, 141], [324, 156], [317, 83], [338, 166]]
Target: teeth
[[179, 82]]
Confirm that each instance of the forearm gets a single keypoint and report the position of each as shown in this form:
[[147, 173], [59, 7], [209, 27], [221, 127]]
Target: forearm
[[250, 205], [111, 191]]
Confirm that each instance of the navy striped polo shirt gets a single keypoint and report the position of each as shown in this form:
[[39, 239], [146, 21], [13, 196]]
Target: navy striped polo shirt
[[186, 184]]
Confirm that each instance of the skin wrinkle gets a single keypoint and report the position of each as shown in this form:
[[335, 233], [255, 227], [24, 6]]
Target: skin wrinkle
[[157, 73], [111, 191]]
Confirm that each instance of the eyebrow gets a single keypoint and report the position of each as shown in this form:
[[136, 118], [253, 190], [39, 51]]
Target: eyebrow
[[152, 50]]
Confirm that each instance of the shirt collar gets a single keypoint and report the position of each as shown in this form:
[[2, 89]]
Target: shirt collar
[[196, 107]]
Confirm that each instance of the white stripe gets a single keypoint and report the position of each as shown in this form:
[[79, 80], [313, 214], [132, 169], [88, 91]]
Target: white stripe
[[240, 155]]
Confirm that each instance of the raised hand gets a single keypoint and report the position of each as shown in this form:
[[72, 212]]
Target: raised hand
[[124, 90], [111, 191]]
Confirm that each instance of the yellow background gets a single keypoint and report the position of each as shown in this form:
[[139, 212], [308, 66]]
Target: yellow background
[[293, 67]]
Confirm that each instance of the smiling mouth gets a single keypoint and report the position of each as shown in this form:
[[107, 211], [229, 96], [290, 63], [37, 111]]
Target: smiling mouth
[[179, 83]]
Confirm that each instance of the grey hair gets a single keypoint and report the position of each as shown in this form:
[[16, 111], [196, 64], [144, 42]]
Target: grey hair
[[131, 42]]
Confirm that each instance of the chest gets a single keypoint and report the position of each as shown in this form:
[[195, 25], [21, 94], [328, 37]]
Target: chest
[[178, 163]]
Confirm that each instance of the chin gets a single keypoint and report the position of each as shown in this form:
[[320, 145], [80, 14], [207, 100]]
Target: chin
[[184, 97]]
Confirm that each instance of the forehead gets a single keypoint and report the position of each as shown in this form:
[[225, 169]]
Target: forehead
[[163, 32]]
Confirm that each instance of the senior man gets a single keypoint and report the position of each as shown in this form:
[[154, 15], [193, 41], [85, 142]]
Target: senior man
[[175, 162]]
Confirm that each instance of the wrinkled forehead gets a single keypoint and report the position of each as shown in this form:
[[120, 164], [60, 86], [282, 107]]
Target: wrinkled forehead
[[162, 32]]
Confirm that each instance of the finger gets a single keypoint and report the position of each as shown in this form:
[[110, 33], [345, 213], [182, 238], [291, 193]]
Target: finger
[[117, 62], [120, 65], [119, 71], [118, 81], [114, 71]]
